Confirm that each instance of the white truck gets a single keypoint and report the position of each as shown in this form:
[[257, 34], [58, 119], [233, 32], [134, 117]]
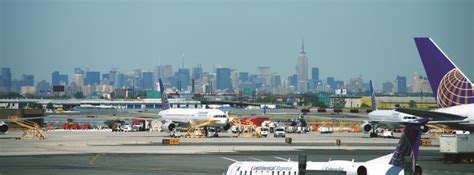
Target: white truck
[[279, 132], [457, 147], [264, 131]]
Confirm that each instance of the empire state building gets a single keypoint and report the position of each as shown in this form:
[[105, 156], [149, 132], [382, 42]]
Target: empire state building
[[302, 70]]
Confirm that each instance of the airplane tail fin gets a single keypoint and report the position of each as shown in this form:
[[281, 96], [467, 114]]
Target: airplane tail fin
[[409, 144], [450, 86], [372, 96], [164, 98]]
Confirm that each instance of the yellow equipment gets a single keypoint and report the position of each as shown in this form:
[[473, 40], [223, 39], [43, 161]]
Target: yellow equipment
[[31, 130], [197, 130]]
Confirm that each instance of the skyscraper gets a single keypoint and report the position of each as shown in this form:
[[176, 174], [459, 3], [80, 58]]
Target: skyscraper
[[27, 80], [6, 80], [315, 74], [147, 81], [243, 77], [55, 78], [92, 78], [223, 79], [401, 84], [184, 78], [265, 74], [197, 72], [58, 79], [302, 70]]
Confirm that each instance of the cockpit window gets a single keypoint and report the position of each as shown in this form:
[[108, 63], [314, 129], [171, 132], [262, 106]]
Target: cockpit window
[[220, 116]]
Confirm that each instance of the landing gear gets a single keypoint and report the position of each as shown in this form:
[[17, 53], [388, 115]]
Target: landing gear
[[373, 133]]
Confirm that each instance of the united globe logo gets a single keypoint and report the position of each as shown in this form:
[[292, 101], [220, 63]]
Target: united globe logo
[[454, 89]]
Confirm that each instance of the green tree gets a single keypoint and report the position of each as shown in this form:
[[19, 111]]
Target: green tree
[[412, 104], [50, 106], [78, 95]]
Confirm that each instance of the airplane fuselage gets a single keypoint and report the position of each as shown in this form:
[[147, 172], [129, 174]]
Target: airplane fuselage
[[218, 117], [391, 118]]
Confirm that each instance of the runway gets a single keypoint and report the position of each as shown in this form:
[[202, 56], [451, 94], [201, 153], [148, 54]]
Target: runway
[[199, 164]]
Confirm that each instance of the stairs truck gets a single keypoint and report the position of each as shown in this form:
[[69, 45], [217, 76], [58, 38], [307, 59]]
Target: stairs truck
[[457, 147]]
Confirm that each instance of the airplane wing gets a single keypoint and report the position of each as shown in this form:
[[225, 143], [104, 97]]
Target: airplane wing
[[383, 159], [435, 116]]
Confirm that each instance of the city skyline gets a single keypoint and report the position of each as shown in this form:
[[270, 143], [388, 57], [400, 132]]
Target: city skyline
[[55, 35]]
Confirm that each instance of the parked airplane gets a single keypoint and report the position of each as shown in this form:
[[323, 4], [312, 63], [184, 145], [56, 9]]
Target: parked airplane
[[386, 118], [3, 127], [453, 91], [174, 117], [390, 164]]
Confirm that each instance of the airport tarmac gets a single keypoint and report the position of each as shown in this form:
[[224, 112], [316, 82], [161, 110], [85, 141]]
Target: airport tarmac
[[106, 152], [93, 141], [198, 164]]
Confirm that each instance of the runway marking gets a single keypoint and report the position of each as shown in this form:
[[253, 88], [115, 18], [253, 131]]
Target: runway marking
[[253, 158], [233, 160], [282, 158], [95, 158]]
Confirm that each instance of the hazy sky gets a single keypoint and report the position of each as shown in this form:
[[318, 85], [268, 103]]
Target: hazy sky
[[371, 38]]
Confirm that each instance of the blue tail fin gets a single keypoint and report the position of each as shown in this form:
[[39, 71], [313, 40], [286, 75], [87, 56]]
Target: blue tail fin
[[409, 144], [450, 86], [164, 98], [372, 96]]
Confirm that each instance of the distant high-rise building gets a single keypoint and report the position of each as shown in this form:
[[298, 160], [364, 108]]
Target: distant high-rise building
[[293, 80], [302, 70], [6, 80], [234, 77], [314, 79], [120, 80], [401, 84], [55, 78], [43, 87], [59, 79], [184, 78], [243, 77], [265, 74], [276, 81], [388, 87], [112, 76], [420, 84], [196, 72], [27, 80], [163, 71], [223, 79], [147, 81], [78, 79], [331, 82], [63, 79], [92, 78], [315, 74]]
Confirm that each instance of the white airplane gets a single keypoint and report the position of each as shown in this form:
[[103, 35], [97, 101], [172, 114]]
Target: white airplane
[[391, 119], [3, 127], [391, 164], [184, 117], [453, 91]]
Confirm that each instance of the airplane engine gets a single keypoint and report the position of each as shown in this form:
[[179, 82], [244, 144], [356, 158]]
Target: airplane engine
[[361, 170], [3, 127], [425, 129], [366, 127], [168, 126], [227, 127], [355, 169]]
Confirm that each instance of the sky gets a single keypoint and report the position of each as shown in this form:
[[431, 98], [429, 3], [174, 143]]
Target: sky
[[345, 39]]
